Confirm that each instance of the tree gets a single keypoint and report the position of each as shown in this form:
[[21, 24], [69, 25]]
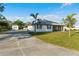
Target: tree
[[2, 7], [19, 23], [70, 21], [3, 21], [35, 17], [2, 18], [1, 10]]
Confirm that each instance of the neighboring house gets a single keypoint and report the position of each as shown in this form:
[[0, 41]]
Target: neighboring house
[[45, 26], [15, 27], [24, 28], [67, 29], [30, 27]]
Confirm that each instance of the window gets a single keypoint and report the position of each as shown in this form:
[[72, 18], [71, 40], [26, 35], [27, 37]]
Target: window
[[48, 26], [39, 26]]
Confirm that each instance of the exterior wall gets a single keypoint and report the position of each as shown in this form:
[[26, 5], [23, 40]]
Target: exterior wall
[[44, 29], [15, 27], [24, 28], [30, 28]]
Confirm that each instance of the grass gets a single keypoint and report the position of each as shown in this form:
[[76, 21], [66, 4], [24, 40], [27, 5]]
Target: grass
[[60, 38]]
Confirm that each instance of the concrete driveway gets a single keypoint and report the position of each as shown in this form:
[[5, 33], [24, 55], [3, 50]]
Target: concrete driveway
[[23, 44]]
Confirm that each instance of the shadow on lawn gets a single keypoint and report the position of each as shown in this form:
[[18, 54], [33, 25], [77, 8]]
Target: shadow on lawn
[[74, 33]]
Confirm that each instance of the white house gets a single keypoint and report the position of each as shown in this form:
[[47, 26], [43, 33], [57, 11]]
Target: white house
[[45, 26], [15, 27], [30, 27], [67, 29]]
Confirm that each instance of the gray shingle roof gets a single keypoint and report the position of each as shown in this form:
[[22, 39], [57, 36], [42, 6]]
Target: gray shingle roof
[[46, 22]]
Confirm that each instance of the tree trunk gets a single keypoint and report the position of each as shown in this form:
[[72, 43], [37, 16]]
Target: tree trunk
[[69, 32]]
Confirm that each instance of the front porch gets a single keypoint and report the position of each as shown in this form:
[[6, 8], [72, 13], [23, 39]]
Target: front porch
[[57, 27]]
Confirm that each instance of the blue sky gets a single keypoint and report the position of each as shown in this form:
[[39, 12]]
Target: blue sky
[[50, 11]]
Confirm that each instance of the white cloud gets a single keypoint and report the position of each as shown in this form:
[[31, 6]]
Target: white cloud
[[55, 18], [77, 17], [50, 17], [65, 4], [29, 19], [24, 19], [14, 18]]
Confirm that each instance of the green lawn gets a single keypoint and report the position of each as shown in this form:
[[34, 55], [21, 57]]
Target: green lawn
[[60, 38]]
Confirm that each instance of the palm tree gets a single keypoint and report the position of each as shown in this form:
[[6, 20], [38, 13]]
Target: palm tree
[[2, 17], [3, 21], [70, 21], [1, 10], [35, 17], [2, 7]]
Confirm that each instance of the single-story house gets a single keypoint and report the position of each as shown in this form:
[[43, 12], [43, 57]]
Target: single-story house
[[15, 27], [45, 26], [67, 29]]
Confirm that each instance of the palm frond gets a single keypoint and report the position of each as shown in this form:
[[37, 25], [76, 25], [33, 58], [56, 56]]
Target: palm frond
[[2, 7]]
